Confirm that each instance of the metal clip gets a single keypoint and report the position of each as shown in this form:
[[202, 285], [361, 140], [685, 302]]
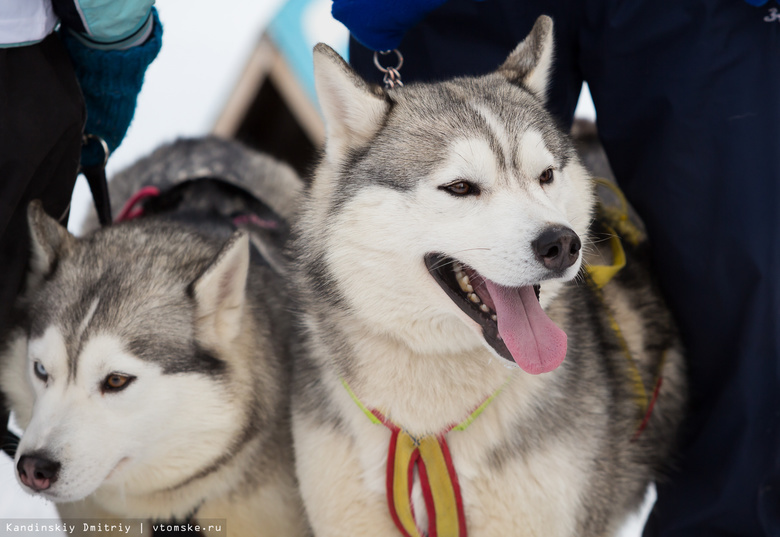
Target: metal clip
[[106, 152], [392, 75]]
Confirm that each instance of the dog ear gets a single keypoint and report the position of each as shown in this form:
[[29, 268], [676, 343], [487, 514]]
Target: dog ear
[[220, 292], [529, 64], [353, 112], [48, 241]]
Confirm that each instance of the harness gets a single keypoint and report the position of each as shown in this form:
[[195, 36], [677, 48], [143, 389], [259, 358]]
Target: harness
[[193, 194], [430, 456], [618, 224]]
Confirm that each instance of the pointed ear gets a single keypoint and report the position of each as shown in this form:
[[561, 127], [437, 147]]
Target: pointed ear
[[529, 64], [353, 112], [48, 241], [220, 293]]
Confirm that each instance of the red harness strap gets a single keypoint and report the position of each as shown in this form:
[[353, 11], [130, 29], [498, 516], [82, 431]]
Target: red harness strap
[[649, 412], [131, 209], [430, 456]]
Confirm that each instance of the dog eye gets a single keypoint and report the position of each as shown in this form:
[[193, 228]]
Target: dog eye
[[40, 371], [461, 188], [547, 176], [116, 382]]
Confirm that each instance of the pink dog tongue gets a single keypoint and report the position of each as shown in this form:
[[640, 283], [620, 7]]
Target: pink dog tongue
[[535, 342]]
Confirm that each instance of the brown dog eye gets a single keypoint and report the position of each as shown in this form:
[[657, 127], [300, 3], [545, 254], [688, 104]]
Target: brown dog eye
[[116, 382], [547, 176], [461, 188]]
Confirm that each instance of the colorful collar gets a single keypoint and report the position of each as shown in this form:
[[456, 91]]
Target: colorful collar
[[430, 456]]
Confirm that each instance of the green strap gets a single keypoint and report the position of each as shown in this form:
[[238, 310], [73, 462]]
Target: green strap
[[460, 427], [360, 405], [470, 419]]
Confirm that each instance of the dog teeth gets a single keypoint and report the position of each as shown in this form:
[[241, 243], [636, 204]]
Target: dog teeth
[[463, 282], [464, 285], [494, 317]]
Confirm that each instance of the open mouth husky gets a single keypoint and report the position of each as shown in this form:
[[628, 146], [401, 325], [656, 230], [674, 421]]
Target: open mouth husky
[[463, 368], [149, 367]]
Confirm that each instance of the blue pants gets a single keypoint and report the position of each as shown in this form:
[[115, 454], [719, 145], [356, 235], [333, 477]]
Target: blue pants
[[687, 94]]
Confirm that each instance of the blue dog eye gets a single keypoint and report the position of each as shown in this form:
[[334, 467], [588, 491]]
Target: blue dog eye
[[40, 371]]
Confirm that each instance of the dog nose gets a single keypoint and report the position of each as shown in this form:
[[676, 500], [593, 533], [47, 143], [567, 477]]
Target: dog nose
[[37, 472], [557, 248]]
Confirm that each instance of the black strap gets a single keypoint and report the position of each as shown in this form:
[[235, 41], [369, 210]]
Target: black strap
[[98, 184], [96, 175]]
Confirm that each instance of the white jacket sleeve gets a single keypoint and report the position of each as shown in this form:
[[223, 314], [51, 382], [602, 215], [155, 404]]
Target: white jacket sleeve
[[24, 22]]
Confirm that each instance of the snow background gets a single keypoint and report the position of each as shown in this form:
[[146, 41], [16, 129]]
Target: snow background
[[204, 52]]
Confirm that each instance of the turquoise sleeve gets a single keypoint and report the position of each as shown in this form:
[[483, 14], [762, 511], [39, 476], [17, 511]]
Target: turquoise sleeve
[[107, 24], [110, 81]]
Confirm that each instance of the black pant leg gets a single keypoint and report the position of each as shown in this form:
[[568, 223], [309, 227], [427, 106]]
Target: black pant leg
[[42, 118]]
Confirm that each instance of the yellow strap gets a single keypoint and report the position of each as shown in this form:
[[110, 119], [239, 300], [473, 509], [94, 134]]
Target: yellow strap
[[602, 274], [441, 486], [619, 217], [640, 393], [439, 479]]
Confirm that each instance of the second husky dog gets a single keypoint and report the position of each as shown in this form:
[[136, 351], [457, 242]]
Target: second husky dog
[[438, 253], [149, 367]]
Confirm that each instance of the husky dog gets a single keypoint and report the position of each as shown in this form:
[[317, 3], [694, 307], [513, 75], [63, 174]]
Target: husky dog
[[149, 367], [460, 371], [265, 178]]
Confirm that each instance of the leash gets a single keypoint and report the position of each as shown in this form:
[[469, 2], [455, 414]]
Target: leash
[[98, 183], [392, 76]]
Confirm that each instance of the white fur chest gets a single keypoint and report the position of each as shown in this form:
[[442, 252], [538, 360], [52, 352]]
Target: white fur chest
[[535, 493]]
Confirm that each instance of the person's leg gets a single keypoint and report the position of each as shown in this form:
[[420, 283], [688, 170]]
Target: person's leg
[[688, 101], [41, 121]]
